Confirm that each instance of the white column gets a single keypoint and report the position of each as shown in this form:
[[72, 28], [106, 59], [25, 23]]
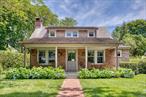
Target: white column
[[56, 60], [86, 56]]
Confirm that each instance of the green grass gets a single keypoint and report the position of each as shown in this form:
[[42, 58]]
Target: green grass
[[30, 88], [116, 87]]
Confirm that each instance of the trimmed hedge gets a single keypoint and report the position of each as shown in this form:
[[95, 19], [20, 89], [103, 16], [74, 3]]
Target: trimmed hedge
[[136, 67], [96, 73], [35, 73]]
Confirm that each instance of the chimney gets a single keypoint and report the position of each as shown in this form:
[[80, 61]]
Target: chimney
[[38, 23]]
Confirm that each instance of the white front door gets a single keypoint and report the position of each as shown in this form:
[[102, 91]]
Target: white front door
[[71, 60]]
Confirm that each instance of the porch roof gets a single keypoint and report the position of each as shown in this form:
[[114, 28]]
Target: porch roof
[[57, 40]]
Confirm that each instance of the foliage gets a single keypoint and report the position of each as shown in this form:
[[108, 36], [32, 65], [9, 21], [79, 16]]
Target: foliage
[[35, 73], [67, 22], [17, 18], [126, 73], [142, 67], [133, 34], [133, 66], [96, 73], [139, 67], [10, 59]]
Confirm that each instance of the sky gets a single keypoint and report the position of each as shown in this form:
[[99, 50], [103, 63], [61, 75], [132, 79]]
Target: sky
[[109, 13]]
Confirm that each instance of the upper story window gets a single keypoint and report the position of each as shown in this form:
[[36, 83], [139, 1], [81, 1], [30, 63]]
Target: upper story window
[[52, 34], [91, 34], [71, 34]]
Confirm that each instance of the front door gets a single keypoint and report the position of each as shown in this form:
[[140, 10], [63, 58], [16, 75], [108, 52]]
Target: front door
[[71, 60]]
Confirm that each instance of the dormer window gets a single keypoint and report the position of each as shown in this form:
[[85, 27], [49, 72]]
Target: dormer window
[[91, 34], [71, 34], [52, 34]]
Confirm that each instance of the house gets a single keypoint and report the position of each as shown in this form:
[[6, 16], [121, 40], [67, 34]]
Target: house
[[72, 48]]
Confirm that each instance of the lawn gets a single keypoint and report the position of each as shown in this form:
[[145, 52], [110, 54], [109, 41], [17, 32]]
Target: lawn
[[116, 87], [30, 88]]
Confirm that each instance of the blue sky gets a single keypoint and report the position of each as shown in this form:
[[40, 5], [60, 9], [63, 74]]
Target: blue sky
[[109, 13]]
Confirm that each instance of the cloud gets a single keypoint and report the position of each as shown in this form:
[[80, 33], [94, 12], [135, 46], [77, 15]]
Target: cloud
[[99, 12]]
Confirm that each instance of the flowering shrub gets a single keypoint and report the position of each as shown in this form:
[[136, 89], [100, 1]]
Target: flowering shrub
[[35, 73], [96, 73]]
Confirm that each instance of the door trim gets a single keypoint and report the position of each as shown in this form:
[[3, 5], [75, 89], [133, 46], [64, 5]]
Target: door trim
[[66, 59]]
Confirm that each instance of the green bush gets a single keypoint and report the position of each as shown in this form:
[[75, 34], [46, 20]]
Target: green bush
[[96, 73], [126, 73], [136, 67], [142, 67], [133, 66], [35, 73], [10, 59]]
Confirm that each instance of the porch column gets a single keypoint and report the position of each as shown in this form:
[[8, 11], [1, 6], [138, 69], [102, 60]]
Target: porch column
[[56, 52], [24, 57], [86, 55], [117, 60]]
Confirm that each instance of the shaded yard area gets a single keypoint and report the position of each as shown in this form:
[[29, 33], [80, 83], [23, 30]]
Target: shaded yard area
[[30, 88], [116, 87]]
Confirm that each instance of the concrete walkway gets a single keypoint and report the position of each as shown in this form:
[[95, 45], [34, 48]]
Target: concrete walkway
[[71, 88]]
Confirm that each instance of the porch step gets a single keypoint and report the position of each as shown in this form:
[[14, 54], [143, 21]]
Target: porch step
[[71, 75]]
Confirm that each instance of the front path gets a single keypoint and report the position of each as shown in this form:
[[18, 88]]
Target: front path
[[71, 88]]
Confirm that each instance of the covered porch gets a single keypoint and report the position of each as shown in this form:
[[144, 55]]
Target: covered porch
[[73, 57]]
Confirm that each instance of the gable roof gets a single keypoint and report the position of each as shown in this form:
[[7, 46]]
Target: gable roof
[[39, 36]]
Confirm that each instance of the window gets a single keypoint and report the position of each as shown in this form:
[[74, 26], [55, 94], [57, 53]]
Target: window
[[119, 53], [91, 34], [95, 56], [71, 34], [51, 56], [52, 34], [100, 56], [91, 56], [42, 57]]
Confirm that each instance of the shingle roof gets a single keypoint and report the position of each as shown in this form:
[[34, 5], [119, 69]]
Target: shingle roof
[[70, 41]]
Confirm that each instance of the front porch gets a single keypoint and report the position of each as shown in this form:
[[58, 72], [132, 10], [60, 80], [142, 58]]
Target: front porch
[[73, 58]]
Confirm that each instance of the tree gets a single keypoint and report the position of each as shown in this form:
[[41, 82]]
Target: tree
[[17, 18], [133, 34], [68, 22]]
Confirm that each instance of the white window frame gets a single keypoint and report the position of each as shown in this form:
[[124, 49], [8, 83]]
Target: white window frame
[[103, 56], [71, 34], [120, 51], [95, 56], [49, 35], [46, 55], [91, 36], [91, 56]]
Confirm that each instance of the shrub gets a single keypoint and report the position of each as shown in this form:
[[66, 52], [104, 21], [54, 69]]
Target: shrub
[[133, 66], [142, 67], [35, 73], [96, 73], [106, 74], [12, 59], [136, 67], [126, 73]]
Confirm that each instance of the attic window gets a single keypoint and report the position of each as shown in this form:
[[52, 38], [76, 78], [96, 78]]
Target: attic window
[[52, 34], [91, 34]]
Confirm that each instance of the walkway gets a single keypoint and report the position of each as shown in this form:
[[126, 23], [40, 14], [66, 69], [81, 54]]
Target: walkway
[[71, 87]]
